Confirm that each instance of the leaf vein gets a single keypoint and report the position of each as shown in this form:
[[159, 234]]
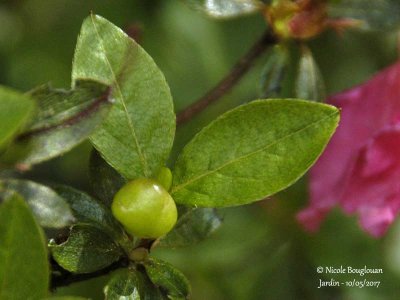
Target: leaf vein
[[182, 185], [122, 99]]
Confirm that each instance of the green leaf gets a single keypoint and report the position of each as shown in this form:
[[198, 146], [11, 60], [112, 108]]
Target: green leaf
[[123, 285], [87, 250], [130, 284], [105, 181], [137, 136], [309, 82], [274, 72], [88, 210], [64, 119], [226, 8], [165, 276], [50, 210], [252, 151], [193, 226], [24, 270], [15, 110], [374, 15]]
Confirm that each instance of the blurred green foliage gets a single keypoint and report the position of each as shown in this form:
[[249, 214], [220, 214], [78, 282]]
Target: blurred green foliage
[[260, 252]]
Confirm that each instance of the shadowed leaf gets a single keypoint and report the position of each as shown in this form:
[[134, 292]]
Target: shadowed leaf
[[63, 120], [105, 181], [131, 284], [88, 210], [168, 278], [87, 250], [49, 209], [193, 226]]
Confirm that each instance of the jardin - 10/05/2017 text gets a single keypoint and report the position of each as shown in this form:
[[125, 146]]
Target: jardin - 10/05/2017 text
[[349, 270]]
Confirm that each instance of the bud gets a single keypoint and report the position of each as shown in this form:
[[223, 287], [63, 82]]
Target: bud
[[302, 19]]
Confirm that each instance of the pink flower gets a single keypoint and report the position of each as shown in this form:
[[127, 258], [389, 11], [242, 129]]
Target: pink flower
[[360, 168]]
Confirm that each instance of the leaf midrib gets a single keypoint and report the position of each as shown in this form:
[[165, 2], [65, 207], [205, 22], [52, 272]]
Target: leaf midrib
[[182, 185], [116, 84]]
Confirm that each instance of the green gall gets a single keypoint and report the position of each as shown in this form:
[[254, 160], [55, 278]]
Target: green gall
[[145, 208]]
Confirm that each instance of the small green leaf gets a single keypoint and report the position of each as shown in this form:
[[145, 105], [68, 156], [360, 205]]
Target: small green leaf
[[24, 270], [130, 284], [105, 181], [164, 177], [50, 210], [309, 82], [193, 226], [137, 136], [168, 278], [87, 250], [124, 284], [252, 151], [15, 110], [88, 210], [274, 72], [226, 8], [63, 120], [374, 15]]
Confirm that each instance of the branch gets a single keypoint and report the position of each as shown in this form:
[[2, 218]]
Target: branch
[[227, 83]]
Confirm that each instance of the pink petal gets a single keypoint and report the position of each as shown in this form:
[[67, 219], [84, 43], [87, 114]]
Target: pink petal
[[376, 174], [376, 221], [361, 165], [311, 218]]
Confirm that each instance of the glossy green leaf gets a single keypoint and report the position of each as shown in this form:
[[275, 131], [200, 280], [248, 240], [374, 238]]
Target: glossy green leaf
[[168, 278], [274, 72], [374, 15], [88, 210], [15, 110], [130, 284], [309, 82], [24, 271], [252, 151], [87, 250], [137, 136], [63, 120], [226, 8], [193, 226], [123, 285], [105, 180], [50, 210]]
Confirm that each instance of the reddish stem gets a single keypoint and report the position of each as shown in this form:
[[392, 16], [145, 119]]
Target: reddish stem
[[227, 83]]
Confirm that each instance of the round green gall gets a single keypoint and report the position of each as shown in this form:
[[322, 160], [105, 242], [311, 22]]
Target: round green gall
[[144, 208]]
